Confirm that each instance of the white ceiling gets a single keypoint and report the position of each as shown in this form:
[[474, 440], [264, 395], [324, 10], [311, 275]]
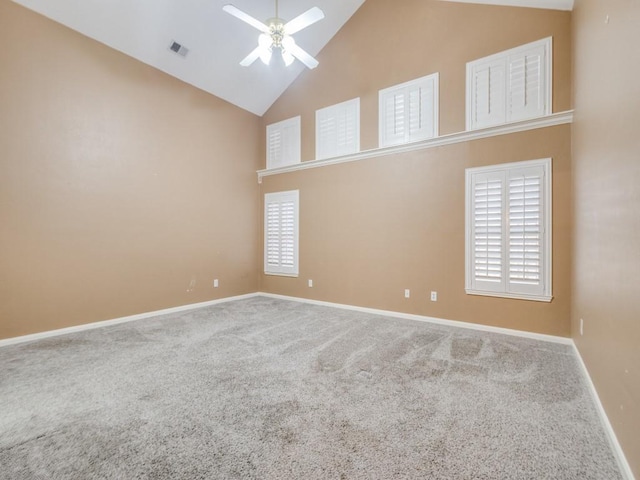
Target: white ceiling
[[144, 29]]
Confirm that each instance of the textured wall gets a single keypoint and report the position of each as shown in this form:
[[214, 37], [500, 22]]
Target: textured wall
[[373, 228], [606, 164], [122, 190]]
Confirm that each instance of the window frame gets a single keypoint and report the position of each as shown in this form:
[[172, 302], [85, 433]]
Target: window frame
[[504, 59], [279, 198], [334, 111], [546, 224], [383, 141]]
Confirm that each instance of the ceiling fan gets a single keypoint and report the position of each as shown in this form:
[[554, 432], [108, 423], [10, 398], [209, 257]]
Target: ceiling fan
[[277, 34]]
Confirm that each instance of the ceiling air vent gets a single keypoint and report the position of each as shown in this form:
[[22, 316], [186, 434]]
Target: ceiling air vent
[[179, 49]]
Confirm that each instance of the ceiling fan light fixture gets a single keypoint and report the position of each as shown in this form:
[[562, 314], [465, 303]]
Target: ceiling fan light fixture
[[265, 56], [288, 58], [276, 34], [288, 44]]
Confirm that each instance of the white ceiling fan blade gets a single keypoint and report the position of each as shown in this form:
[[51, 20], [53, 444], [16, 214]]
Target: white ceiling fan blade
[[252, 57], [303, 20], [262, 51], [301, 55], [245, 17]]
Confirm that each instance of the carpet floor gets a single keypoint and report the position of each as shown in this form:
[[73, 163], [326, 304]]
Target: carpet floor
[[270, 389]]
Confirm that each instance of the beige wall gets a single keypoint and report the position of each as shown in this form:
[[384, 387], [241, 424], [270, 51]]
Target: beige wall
[[119, 186], [373, 228], [386, 43], [606, 165]]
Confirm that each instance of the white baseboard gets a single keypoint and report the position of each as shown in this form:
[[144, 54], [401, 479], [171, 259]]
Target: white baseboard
[[422, 318], [106, 323], [625, 469], [374, 311]]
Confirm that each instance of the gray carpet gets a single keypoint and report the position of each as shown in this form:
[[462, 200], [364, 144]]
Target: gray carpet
[[269, 389]]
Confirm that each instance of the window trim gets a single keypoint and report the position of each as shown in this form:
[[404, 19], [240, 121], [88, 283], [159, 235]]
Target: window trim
[[547, 223], [504, 56], [279, 197]]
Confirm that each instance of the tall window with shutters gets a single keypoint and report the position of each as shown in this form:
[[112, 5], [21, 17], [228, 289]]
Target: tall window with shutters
[[510, 86], [338, 129], [508, 230], [283, 143], [409, 111], [281, 212]]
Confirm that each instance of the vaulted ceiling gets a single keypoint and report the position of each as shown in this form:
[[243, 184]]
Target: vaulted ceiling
[[216, 41]]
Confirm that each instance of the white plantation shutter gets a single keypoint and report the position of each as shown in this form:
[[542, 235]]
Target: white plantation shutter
[[409, 112], [283, 143], [510, 86], [526, 230], [508, 232], [487, 233], [274, 147], [281, 233], [393, 119], [338, 129], [487, 93], [421, 103], [526, 81], [326, 136]]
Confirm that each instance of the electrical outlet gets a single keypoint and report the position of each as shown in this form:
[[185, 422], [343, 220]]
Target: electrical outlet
[[407, 293], [581, 327], [310, 283], [215, 283], [434, 296]]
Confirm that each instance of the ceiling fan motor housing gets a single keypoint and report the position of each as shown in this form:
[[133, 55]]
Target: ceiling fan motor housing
[[276, 31]]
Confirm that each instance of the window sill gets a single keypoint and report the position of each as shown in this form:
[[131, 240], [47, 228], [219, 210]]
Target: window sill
[[516, 296], [278, 274]]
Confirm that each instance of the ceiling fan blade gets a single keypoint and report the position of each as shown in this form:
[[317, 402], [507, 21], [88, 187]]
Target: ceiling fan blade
[[262, 51], [252, 57], [303, 20], [245, 17], [301, 55]]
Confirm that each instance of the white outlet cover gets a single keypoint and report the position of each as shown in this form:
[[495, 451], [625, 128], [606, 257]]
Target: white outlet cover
[[310, 283], [407, 293], [434, 296], [215, 283]]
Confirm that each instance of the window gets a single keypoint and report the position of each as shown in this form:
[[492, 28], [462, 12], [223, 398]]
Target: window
[[281, 233], [338, 129], [510, 86], [283, 143], [409, 111], [508, 230]]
